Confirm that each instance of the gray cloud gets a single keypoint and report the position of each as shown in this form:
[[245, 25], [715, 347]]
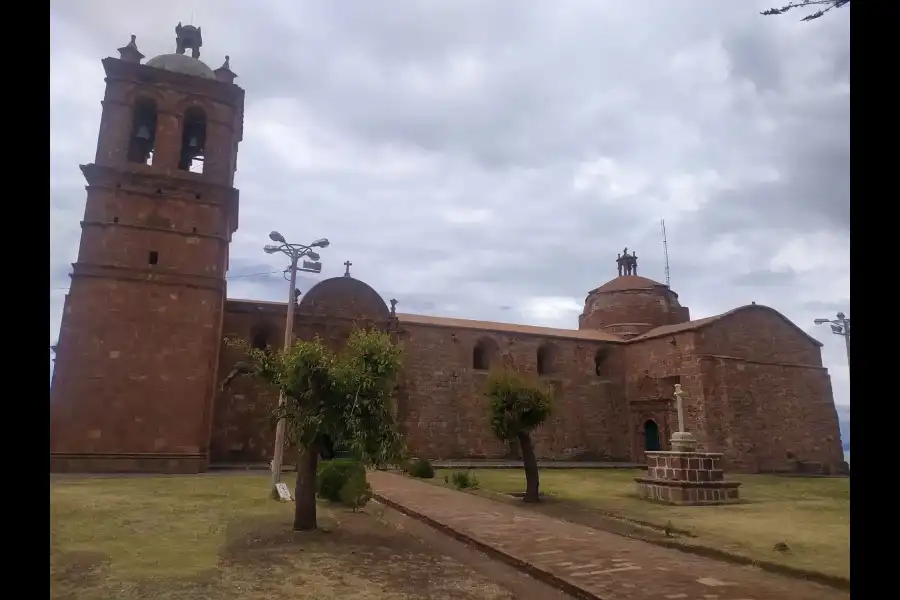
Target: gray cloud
[[481, 160], [764, 277]]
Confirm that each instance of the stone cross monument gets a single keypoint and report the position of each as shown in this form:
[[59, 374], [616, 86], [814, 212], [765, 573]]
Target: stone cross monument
[[682, 440], [684, 476]]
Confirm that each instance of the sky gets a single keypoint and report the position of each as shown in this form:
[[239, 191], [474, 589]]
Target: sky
[[487, 159]]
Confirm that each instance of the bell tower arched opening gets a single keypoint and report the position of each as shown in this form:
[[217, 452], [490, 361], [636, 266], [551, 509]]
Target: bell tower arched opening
[[193, 140], [142, 142]]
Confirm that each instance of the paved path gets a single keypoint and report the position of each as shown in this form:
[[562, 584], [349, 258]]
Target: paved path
[[517, 464], [598, 564], [460, 464]]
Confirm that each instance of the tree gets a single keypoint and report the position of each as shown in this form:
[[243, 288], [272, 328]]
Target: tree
[[344, 397], [828, 4], [518, 404]]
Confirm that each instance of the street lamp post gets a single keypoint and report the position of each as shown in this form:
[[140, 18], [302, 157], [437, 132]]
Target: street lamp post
[[839, 326], [295, 252]]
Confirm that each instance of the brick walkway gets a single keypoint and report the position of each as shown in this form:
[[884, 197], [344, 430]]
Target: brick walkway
[[598, 564]]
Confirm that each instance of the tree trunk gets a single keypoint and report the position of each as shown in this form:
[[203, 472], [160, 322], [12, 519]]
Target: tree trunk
[[305, 489], [532, 482]]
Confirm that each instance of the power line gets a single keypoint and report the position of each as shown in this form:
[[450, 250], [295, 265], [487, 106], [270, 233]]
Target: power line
[[229, 277]]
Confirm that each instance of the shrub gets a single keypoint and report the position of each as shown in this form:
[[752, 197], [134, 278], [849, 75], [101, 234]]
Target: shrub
[[421, 468], [333, 474], [464, 480], [356, 491]]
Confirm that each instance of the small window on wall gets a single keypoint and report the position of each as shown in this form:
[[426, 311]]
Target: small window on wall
[[261, 339], [483, 354], [153, 257], [601, 362], [546, 359]]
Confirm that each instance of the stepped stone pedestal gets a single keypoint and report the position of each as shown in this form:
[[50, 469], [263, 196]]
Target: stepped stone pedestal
[[686, 478]]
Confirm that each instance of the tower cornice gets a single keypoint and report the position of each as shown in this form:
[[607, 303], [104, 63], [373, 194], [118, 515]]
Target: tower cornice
[[120, 70]]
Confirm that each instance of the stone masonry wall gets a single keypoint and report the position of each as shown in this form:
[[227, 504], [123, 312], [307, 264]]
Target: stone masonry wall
[[758, 333], [654, 366], [112, 395], [773, 400], [446, 413], [768, 416], [686, 478]]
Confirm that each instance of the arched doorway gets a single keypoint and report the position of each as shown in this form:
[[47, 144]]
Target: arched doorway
[[651, 436]]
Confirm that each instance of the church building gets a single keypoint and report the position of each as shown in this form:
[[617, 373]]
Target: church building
[[140, 357]]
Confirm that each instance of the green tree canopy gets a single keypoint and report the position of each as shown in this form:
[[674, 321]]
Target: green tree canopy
[[518, 404], [345, 396]]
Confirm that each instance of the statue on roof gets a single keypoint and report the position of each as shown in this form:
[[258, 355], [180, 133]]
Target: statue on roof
[[627, 263], [188, 36]]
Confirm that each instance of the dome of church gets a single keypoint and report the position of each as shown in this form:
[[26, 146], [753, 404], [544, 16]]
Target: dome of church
[[628, 282], [630, 305], [181, 63]]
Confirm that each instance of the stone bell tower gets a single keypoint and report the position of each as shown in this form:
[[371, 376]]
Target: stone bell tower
[[135, 373]]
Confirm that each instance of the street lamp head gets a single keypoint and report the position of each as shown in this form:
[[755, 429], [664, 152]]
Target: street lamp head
[[822, 321], [277, 237], [313, 255], [321, 243], [270, 249]]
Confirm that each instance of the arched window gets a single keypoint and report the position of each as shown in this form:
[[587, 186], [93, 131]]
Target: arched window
[[601, 367], [142, 140], [546, 359], [193, 140], [484, 353], [261, 338]]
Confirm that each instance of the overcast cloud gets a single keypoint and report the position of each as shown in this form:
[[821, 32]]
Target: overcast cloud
[[487, 159]]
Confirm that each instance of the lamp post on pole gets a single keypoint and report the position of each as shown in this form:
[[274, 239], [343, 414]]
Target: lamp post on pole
[[295, 252], [839, 326]]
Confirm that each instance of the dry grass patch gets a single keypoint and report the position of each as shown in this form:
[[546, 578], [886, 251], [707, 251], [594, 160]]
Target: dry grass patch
[[810, 515], [219, 537]]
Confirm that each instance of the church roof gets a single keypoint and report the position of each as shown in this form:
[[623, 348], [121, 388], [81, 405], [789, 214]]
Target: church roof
[[700, 323], [574, 334], [628, 282], [181, 63]]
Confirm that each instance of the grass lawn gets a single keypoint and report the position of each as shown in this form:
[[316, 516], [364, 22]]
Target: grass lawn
[[217, 537], [810, 515]]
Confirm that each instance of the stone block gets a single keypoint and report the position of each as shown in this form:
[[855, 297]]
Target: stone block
[[688, 478]]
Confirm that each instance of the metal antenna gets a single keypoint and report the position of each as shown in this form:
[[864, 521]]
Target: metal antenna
[[662, 224]]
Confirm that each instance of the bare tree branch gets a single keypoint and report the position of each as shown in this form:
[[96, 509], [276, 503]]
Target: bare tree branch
[[828, 4]]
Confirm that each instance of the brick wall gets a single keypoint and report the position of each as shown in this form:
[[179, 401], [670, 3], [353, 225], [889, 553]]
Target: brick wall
[[446, 413], [654, 366], [773, 399], [135, 361], [760, 333], [767, 415]]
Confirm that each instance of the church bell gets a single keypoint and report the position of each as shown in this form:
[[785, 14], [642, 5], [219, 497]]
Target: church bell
[[143, 133]]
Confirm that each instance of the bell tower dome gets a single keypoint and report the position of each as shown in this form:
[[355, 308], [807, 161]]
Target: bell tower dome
[[135, 370], [631, 305]]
